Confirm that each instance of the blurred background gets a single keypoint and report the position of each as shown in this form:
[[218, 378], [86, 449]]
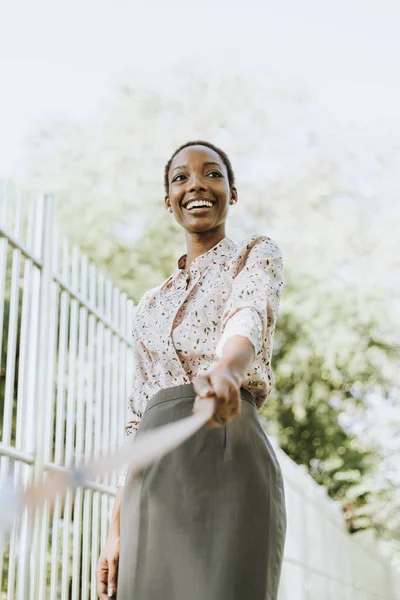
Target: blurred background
[[305, 99]]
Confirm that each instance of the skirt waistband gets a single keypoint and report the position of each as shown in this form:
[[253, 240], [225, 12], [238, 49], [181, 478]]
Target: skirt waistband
[[186, 390]]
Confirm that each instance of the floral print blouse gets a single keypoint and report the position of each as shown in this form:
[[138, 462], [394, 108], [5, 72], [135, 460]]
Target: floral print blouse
[[181, 326]]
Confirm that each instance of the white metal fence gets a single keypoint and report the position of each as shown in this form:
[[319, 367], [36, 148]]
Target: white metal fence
[[65, 372]]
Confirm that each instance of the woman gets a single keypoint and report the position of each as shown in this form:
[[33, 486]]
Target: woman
[[207, 521]]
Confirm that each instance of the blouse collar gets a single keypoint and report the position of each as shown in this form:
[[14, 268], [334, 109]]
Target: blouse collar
[[222, 249]]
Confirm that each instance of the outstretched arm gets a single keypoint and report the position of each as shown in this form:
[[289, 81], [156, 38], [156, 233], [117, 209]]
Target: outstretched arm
[[225, 379]]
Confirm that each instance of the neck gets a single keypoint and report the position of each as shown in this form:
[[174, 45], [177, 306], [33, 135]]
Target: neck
[[199, 243]]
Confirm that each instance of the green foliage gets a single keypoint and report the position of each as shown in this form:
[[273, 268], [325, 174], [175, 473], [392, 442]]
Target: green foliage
[[326, 362]]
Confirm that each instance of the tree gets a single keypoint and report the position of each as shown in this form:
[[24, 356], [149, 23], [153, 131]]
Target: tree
[[327, 362]]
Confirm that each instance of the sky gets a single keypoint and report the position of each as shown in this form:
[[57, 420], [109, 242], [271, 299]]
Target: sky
[[62, 59]]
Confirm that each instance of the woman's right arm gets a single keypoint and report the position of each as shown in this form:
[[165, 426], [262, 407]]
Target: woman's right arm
[[107, 565]]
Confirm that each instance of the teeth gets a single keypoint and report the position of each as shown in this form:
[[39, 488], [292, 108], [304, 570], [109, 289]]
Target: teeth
[[197, 204]]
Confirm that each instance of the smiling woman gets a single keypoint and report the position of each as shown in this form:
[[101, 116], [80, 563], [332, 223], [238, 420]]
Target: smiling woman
[[207, 521], [199, 180]]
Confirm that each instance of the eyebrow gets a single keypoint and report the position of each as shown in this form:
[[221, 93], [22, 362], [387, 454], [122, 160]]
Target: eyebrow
[[205, 164]]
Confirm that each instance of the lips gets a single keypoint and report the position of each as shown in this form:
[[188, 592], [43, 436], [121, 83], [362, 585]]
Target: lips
[[197, 210]]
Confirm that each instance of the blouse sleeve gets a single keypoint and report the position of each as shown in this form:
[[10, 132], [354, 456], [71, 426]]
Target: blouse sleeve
[[134, 409], [253, 305]]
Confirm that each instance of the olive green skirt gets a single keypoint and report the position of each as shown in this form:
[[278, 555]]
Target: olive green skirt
[[207, 521]]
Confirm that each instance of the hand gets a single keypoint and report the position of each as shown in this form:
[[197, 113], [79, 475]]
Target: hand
[[107, 568], [224, 384]]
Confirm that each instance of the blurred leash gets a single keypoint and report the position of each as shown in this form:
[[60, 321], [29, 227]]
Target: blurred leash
[[138, 455]]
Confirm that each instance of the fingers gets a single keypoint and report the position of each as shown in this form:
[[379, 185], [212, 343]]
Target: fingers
[[202, 386], [225, 391], [204, 393], [102, 590], [112, 577], [227, 399], [102, 578]]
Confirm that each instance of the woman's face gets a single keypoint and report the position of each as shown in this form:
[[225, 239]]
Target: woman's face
[[197, 174]]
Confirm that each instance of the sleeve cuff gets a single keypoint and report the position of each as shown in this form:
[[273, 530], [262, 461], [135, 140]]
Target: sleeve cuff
[[246, 322]]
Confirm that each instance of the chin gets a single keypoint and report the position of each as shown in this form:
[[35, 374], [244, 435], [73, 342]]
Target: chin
[[204, 228]]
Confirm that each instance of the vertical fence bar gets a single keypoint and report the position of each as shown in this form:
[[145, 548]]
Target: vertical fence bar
[[21, 442], [24, 337], [10, 400], [3, 264], [24, 441], [34, 520], [41, 389], [115, 361], [79, 443], [49, 413], [60, 418], [3, 274], [113, 381], [70, 433], [123, 350], [89, 393], [28, 578], [105, 500], [12, 336], [97, 431]]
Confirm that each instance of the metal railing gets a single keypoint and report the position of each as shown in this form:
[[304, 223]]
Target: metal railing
[[65, 372]]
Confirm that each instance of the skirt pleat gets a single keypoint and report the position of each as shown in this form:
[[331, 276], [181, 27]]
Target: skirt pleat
[[207, 521]]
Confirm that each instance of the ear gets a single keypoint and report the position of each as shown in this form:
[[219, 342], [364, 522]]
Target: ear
[[167, 202], [234, 195]]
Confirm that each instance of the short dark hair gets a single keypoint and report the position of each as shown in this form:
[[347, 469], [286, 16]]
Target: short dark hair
[[221, 153]]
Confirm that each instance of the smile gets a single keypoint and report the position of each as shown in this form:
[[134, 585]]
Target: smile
[[196, 205]]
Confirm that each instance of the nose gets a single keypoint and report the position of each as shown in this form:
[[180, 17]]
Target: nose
[[196, 183]]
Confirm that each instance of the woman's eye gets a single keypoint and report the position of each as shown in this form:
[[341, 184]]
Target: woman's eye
[[176, 178], [215, 174]]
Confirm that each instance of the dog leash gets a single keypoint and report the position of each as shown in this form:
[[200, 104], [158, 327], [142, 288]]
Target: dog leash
[[138, 455]]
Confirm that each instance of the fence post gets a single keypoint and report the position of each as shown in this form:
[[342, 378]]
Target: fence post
[[47, 206]]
